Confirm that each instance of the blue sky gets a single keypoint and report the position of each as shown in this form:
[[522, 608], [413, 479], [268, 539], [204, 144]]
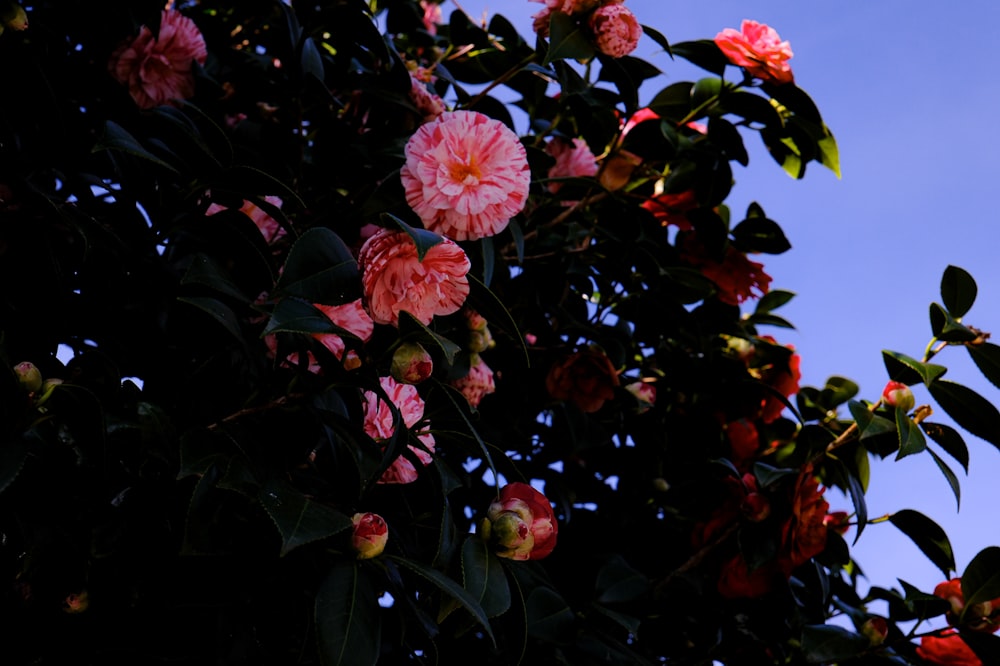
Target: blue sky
[[910, 91]]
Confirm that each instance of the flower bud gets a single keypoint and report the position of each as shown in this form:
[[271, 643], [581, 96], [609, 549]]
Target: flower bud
[[897, 394], [520, 523], [76, 603], [644, 392], [370, 535], [480, 338], [838, 521], [411, 364], [15, 17], [875, 629], [29, 376]]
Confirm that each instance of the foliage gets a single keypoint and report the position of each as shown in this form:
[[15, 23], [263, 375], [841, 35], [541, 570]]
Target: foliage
[[204, 412]]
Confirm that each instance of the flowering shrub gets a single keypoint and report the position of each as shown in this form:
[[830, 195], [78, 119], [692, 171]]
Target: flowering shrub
[[284, 274]]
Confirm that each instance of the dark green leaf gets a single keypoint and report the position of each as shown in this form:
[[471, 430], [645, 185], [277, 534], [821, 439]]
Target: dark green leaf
[[902, 368], [768, 475], [986, 356], [958, 291], [657, 37], [773, 300], [292, 315], [923, 605], [422, 238], [969, 409], [824, 643], [617, 582], [206, 271], [13, 453], [837, 391], [348, 626], [673, 102], [116, 138], [704, 53], [752, 107], [409, 323], [549, 617], [724, 134], [320, 268], [759, 234], [911, 438], [869, 425], [856, 489], [484, 578], [452, 589], [199, 449], [219, 311], [243, 178], [981, 579], [949, 477], [948, 439], [311, 60], [567, 39], [928, 536], [946, 328], [299, 519]]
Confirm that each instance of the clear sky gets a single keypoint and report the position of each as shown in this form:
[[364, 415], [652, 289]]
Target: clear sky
[[910, 90]]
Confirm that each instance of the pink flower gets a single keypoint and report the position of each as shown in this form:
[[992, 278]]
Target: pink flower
[[477, 384], [897, 394], [393, 279], [465, 175], [616, 30], [428, 103], [432, 15], [269, 227], [521, 523], [378, 426], [369, 536], [573, 160], [758, 49], [351, 317], [157, 70]]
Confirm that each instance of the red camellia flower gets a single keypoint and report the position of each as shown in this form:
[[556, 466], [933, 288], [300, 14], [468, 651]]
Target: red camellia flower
[[737, 278], [948, 649], [393, 279], [465, 175], [521, 523], [738, 581], [743, 441], [379, 426], [782, 378], [978, 618], [670, 208], [758, 49], [585, 378], [370, 535], [157, 70], [804, 535]]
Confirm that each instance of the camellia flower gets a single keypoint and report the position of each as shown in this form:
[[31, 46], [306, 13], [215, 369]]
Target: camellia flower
[[898, 394], [480, 337], [393, 279], [379, 426], [616, 30], [465, 175], [737, 278], [573, 160], [743, 441], [432, 15], [585, 378], [521, 523], [670, 208], [978, 617], [157, 69], [268, 226], [948, 649], [644, 392], [370, 535], [804, 535], [876, 629], [478, 383], [758, 49], [351, 317], [738, 581], [427, 102]]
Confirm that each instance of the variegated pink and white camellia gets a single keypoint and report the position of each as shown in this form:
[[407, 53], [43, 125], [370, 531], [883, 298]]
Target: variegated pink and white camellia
[[573, 160], [758, 49], [157, 69], [351, 317], [394, 279], [465, 175], [268, 226], [379, 426], [477, 384], [616, 30]]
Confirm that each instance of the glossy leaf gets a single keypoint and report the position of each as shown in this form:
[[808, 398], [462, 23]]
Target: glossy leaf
[[206, 271], [950, 477], [869, 424], [117, 138], [484, 578], [823, 644], [981, 578], [704, 53], [986, 356], [299, 519], [928, 537], [217, 310], [950, 440], [969, 409], [657, 37], [911, 438], [673, 102], [946, 328], [958, 291], [617, 582], [348, 626], [320, 268], [567, 40], [292, 315], [759, 234], [549, 617], [773, 300], [902, 368], [452, 589]]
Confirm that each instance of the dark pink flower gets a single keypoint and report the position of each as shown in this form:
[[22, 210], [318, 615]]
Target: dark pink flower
[[465, 175], [369, 536], [616, 30], [157, 70]]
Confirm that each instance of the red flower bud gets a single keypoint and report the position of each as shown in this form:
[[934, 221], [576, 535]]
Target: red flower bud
[[29, 376], [876, 629], [645, 393], [411, 364], [838, 521], [897, 394], [370, 535], [521, 523]]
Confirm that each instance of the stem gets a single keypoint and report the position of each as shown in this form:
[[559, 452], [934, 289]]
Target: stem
[[503, 78], [697, 111], [254, 410], [930, 353], [697, 558]]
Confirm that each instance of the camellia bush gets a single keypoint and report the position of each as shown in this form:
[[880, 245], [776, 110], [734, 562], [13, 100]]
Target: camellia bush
[[364, 332]]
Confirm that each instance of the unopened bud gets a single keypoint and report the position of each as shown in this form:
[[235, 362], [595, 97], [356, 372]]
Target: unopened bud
[[411, 364], [838, 521], [29, 376], [875, 629], [76, 603], [660, 484], [15, 17], [644, 392], [370, 535], [897, 394]]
